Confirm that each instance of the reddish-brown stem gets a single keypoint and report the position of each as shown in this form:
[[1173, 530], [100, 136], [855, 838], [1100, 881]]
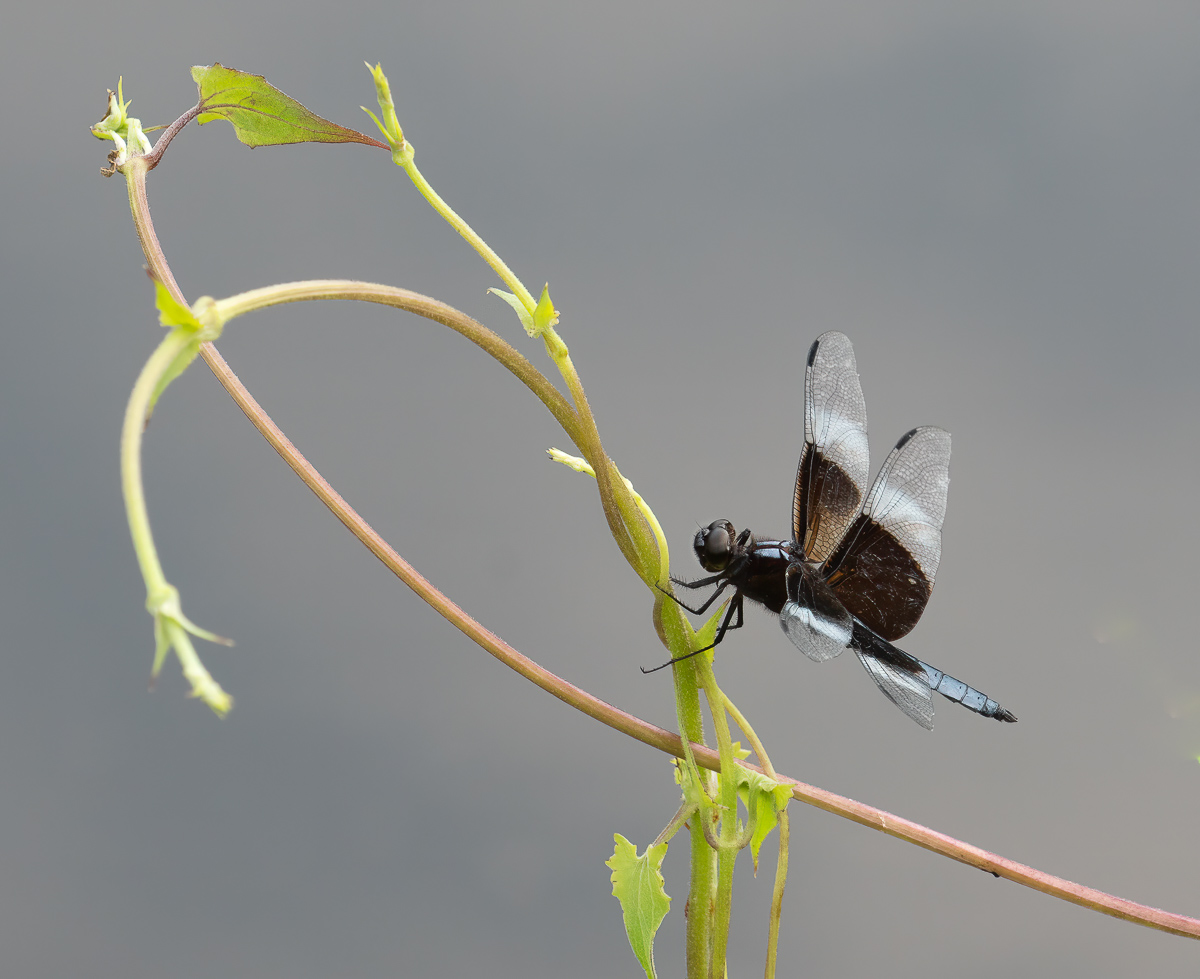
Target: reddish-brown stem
[[160, 145], [615, 718], [663, 740]]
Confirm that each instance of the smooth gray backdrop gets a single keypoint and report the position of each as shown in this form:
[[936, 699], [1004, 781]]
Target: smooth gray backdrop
[[996, 201]]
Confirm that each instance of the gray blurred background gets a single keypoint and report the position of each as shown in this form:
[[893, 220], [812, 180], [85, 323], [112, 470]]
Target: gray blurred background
[[997, 202]]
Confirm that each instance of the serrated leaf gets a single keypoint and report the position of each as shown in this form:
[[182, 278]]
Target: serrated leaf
[[638, 884], [261, 115], [764, 799]]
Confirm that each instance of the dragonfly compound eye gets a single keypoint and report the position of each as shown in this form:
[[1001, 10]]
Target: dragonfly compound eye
[[714, 544]]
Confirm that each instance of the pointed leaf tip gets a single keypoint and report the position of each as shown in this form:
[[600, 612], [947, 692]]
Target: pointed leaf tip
[[171, 312], [764, 799], [545, 315], [523, 314], [262, 115]]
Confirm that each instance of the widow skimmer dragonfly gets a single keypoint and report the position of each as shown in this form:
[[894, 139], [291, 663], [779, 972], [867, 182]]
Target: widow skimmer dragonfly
[[858, 571]]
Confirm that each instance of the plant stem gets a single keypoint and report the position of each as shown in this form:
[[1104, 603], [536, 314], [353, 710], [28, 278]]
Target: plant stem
[[162, 599], [702, 885], [785, 834], [131, 459], [135, 171], [629, 524], [729, 838], [625, 521], [677, 633], [453, 219], [781, 875], [685, 812], [615, 718], [154, 157], [698, 941], [431, 309]]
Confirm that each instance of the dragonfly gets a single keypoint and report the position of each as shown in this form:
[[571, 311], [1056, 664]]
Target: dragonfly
[[859, 568]]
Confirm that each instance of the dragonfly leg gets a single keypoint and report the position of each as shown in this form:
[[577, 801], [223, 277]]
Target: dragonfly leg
[[734, 606], [698, 584]]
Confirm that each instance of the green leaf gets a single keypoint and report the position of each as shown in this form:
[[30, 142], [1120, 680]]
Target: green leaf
[[261, 115], [638, 885], [525, 316], [689, 785], [171, 312], [544, 315], [764, 799], [181, 363], [177, 316], [708, 632], [174, 314]]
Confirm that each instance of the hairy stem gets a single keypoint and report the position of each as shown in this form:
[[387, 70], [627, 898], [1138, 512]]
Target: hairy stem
[[431, 309], [729, 837], [785, 835], [615, 718]]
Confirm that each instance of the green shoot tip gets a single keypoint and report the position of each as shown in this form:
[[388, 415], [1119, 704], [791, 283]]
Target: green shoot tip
[[122, 129], [571, 462], [402, 151], [171, 631]]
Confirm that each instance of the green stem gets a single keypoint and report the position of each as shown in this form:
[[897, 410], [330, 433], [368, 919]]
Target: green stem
[[131, 459], [677, 635], [781, 860], [698, 942], [171, 627], [583, 466], [781, 874], [620, 511], [585, 436], [504, 352], [453, 219], [635, 538], [685, 812], [618, 720], [730, 837]]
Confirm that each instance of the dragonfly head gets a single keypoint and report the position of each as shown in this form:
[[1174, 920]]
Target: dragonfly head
[[714, 545]]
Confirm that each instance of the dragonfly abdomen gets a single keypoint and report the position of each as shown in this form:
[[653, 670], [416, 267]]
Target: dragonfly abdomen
[[968, 696]]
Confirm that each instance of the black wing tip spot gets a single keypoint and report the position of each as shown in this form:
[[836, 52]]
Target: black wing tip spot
[[920, 430], [812, 351], [827, 335]]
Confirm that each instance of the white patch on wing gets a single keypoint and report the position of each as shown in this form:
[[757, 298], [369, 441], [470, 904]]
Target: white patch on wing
[[818, 636]]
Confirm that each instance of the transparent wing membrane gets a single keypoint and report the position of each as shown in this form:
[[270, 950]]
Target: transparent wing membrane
[[835, 462]]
